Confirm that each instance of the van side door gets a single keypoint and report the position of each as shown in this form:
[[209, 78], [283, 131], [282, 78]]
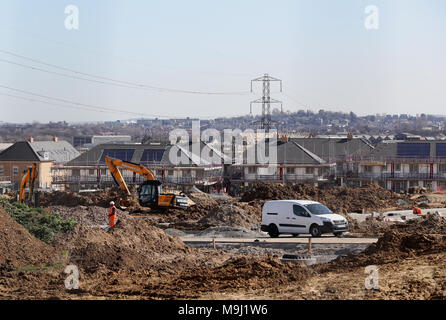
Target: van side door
[[301, 218]]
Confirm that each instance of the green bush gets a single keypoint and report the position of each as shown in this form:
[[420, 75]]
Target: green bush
[[37, 221]]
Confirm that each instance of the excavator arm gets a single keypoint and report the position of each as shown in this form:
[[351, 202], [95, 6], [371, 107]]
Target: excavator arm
[[114, 165], [29, 176], [150, 192]]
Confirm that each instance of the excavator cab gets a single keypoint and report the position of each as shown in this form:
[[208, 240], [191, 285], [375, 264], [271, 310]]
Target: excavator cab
[[148, 193]]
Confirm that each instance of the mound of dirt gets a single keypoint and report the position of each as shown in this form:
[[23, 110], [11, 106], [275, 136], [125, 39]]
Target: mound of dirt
[[227, 214], [202, 200], [19, 248], [236, 273], [87, 215], [133, 245], [100, 198], [338, 199], [370, 227], [431, 223], [399, 242]]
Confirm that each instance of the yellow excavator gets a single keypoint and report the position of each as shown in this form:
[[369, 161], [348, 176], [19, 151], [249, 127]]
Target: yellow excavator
[[29, 177], [150, 192]]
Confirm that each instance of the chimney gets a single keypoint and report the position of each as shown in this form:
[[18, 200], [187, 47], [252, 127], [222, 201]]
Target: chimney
[[284, 138], [31, 139], [349, 136], [55, 139]]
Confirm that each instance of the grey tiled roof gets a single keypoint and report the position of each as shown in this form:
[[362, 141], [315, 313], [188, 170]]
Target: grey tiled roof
[[389, 149], [328, 148], [291, 152], [57, 151], [95, 155]]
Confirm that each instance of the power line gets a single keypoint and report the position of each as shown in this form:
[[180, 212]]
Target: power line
[[295, 100], [81, 105], [49, 103], [63, 75], [126, 84]]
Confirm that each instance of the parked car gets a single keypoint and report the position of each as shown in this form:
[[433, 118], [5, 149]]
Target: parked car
[[301, 216]]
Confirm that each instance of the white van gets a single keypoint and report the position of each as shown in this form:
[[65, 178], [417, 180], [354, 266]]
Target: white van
[[300, 216]]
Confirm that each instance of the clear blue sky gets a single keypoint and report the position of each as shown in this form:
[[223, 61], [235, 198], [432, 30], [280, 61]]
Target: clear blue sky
[[319, 48]]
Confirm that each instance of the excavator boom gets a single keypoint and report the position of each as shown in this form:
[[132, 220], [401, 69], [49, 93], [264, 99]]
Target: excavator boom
[[28, 177], [150, 192]]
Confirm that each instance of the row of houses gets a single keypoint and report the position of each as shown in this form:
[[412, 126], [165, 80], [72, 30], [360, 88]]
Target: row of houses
[[352, 161]]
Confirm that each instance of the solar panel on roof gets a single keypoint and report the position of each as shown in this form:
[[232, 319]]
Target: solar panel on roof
[[121, 154], [152, 155], [441, 150], [413, 150]]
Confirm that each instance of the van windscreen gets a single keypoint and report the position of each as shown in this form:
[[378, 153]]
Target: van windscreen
[[317, 208]]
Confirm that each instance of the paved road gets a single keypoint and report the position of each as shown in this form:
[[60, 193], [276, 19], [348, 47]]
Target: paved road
[[328, 240]]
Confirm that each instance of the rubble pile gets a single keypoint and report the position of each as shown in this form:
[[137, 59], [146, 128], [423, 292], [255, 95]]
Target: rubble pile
[[338, 199], [417, 237], [431, 223], [227, 214], [370, 227]]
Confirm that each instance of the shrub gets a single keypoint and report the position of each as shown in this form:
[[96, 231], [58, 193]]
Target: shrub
[[40, 223]]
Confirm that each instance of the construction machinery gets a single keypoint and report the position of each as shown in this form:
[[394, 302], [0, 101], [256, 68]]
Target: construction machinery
[[28, 178], [150, 192]]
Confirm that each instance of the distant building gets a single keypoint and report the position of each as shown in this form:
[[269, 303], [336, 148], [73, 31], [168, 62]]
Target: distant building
[[399, 165], [294, 163], [46, 154], [90, 141], [89, 169]]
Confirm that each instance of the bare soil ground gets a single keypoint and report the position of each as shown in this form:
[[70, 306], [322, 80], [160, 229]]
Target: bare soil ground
[[137, 260]]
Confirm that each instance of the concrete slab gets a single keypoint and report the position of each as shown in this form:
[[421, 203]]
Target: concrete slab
[[300, 240]]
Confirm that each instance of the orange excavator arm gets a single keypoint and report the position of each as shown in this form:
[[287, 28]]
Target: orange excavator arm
[[29, 176], [114, 165]]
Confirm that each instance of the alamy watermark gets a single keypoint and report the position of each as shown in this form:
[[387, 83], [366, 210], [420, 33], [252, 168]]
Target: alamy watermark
[[372, 280], [232, 146], [72, 20], [72, 281], [371, 21]]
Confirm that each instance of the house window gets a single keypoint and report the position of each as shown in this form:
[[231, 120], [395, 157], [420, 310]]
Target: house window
[[170, 172], [91, 172], [442, 168], [309, 170], [252, 170], [413, 168], [398, 167], [15, 171], [186, 173], [368, 169], [2, 171], [290, 170]]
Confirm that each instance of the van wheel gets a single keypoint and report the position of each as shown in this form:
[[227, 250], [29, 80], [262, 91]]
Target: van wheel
[[315, 231], [338, 234], [273, 231], [295, 235]]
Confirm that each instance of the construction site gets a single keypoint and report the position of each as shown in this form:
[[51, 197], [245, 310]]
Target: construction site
[[150, 150], [214, 248]]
